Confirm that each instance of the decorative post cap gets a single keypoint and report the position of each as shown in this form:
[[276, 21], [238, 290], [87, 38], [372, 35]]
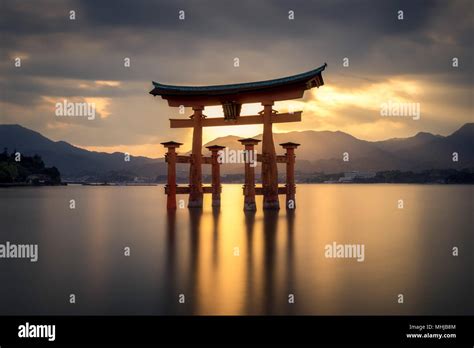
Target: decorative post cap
[[290, 145], [249, 141], [215, 147], [171, 144]]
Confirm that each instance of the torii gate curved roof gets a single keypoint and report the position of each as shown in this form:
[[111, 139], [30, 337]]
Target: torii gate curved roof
[[291, 87]]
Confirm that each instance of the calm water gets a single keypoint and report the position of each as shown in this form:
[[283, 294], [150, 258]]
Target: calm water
[[407, 251]]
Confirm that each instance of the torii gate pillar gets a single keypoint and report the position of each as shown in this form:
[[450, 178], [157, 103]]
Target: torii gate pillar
[[216, 174], [249, 186], [171, 185], [269, 164], [195, 169], [290, 174]]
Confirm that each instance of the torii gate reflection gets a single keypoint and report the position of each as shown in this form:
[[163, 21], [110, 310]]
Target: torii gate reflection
[[231, 97]]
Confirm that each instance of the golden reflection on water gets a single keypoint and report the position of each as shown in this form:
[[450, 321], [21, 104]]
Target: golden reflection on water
[[259, 280], [232, 255]]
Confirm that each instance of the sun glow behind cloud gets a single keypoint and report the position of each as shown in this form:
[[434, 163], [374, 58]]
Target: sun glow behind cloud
[[330, 98], [324, 107], [102, 105], [246, 131], [108, 83]]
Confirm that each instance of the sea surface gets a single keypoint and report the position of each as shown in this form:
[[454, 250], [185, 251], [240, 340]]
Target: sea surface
[[227, 262]]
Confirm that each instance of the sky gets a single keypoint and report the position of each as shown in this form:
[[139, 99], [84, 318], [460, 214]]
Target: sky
[[403, 62]]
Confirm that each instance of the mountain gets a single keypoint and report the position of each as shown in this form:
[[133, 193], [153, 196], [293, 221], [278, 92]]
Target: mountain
[[428, 151], [398, 144], [320, 151], [72, 161]]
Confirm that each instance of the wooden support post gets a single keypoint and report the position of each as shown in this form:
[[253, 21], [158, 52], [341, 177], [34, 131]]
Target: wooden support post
[[269, 165], [249, 186], [290, 174], [216, 175], [171, 185], [195, 169]]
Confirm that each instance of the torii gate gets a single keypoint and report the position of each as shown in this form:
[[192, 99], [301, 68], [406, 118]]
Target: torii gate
[[231, 97]]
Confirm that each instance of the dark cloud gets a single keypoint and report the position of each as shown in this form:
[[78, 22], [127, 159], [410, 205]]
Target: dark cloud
[[104, 32]]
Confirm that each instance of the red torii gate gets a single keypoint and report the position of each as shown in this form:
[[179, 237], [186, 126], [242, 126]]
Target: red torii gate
[[231, 97]]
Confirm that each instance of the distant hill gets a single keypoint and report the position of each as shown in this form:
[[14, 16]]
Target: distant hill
[[429, 152], [74, 162], [320, 151]]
